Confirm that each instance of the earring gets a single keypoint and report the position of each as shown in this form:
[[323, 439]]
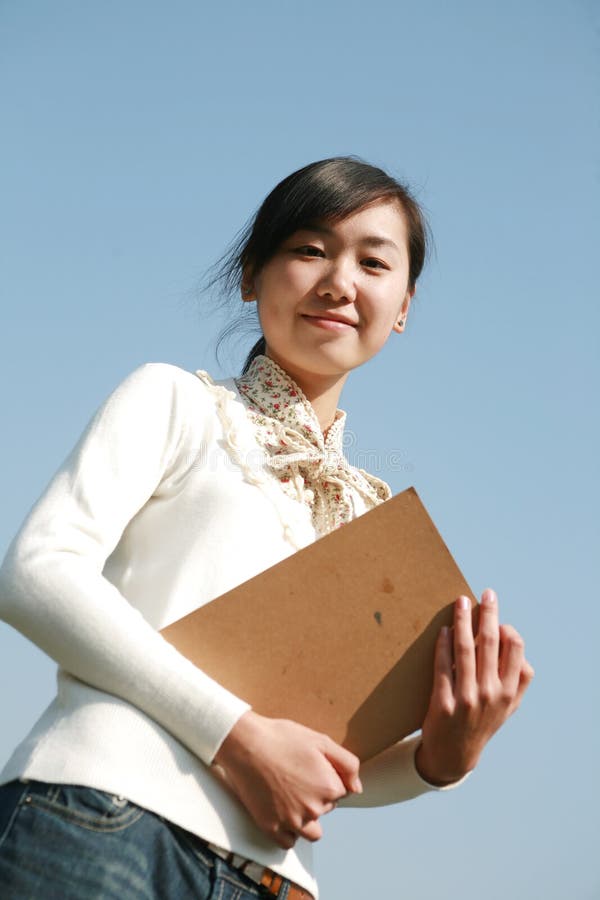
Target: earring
[[401, 322]]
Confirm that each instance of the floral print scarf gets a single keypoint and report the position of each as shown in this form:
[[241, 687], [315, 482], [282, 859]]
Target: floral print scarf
[[311, 467]]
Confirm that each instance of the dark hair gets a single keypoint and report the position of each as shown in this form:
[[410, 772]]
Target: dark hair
[[327, 190]]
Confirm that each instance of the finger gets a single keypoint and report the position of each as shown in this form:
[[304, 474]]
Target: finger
[[345, 763], [512, 657], [284, 838], [443, 688], [312, 831], [527, 676], [464, 650], [488, 642]]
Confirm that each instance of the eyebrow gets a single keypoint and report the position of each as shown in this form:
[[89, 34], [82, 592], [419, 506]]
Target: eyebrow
[[373, 240]]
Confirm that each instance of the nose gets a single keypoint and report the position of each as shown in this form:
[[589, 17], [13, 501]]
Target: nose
[[337, 281]]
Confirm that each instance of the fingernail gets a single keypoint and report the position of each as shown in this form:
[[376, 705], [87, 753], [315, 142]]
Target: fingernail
[[463, 603], [488, 598], [358, 788]]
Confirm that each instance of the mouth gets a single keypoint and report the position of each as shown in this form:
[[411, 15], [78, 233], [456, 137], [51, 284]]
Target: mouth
[[330, 320]]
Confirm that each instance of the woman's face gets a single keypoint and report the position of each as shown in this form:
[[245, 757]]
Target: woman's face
[[332, 294]]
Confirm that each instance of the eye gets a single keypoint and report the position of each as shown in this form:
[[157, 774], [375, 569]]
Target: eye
[[372, 263], [308, 250]]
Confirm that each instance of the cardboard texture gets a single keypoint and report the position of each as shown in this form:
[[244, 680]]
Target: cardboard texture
[[340, 636]]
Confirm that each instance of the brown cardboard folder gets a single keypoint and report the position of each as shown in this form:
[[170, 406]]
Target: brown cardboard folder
[[340, 636]]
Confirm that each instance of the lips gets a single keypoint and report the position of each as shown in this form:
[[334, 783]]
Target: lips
[[330, 317]]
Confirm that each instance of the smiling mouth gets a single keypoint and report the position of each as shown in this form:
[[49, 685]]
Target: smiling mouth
[[329, 321]]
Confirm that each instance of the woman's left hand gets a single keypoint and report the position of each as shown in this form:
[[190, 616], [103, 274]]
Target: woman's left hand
[[478, 683]]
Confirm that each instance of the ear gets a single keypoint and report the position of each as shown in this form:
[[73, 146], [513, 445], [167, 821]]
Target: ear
[[400, 323], [247, 286]]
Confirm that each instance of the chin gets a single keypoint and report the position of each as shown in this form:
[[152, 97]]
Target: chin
[[325, 364], [328, 358]]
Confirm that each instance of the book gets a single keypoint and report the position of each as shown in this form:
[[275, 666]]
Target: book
[[340, 636]]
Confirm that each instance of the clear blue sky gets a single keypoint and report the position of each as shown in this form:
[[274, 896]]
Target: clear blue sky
[[137, 137]]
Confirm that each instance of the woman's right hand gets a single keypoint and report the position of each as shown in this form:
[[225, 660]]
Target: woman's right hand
[[286, 775]]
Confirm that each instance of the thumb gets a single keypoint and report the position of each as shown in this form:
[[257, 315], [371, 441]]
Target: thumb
[[346, 764]]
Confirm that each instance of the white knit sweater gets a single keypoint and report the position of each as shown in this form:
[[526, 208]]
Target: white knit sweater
[[162, 506]]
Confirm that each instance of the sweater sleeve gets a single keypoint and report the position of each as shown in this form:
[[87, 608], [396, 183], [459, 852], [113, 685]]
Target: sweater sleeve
[[51, 584], [392, 776]]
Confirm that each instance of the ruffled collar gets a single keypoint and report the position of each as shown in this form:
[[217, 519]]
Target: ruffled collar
[[311, 467]]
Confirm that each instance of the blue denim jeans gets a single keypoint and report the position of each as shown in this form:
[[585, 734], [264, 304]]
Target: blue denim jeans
[[64, 842]]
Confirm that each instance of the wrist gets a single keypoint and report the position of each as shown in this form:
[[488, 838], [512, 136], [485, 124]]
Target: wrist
[[432, 772], [238, 739]]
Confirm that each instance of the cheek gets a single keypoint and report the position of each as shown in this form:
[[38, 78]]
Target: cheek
[[279, 283], [296, 280], [273, 307], [384, 310]]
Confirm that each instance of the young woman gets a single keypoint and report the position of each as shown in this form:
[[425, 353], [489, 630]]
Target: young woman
[[144, 778]]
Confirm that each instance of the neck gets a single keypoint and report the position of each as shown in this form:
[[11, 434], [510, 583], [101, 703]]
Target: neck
[[322, 391], [324, 399]]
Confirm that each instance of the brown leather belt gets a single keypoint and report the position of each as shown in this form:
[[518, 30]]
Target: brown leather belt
[[267, 878], [273, 883]]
